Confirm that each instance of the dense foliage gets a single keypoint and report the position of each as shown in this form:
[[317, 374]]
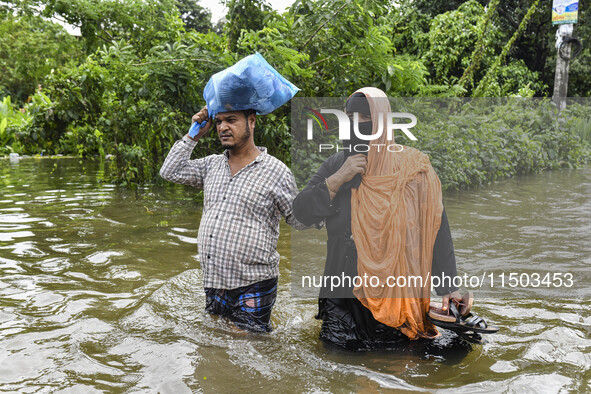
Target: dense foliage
[[129, 84], [30, 48], [476, 142], [472, 141]]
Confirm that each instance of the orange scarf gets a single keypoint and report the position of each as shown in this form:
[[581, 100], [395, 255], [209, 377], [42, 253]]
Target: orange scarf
[[395, 216]]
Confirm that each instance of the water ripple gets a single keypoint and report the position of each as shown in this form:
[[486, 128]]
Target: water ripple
[[101, 291]]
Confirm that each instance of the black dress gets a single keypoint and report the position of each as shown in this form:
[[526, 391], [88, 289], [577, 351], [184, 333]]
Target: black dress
[[345, 321]]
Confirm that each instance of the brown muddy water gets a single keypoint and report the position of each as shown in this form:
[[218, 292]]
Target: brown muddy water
[[100, 291]]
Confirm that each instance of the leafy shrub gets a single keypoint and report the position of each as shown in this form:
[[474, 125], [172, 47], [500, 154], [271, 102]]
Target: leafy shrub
[[11, 119]]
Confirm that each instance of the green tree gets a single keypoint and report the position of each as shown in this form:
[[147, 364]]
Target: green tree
[[244, 15], [144, 23], [30, 48], [452, 37], [194, 16]]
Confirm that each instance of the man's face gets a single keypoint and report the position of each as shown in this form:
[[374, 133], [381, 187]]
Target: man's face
[[234, 128]]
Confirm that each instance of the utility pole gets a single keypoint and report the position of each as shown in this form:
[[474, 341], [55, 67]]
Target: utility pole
[[565, 14], [563, 48]]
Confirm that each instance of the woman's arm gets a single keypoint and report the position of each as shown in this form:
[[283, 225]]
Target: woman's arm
[[313, 204]]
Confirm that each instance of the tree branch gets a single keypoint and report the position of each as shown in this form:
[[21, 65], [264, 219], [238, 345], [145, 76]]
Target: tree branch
[[326, 58], [321, 26], [104, 39], [107, 33], [174, 60], [509, 20]]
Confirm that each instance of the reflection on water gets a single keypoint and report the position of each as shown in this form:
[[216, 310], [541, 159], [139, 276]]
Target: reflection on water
[[101, 290]]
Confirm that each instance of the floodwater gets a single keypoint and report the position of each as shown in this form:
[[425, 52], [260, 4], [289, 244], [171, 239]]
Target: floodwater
[[100, 291]]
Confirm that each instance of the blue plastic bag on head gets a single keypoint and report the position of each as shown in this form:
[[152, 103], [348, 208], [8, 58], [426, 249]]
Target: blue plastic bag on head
[[249, 84]]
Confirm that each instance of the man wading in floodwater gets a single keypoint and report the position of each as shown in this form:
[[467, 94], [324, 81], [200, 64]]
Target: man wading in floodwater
[[246, 191]]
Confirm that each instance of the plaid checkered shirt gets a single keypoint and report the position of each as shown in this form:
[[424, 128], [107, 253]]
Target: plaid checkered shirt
[[239, 228]]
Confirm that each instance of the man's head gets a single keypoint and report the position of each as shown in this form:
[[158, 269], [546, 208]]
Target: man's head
[[235, 128]]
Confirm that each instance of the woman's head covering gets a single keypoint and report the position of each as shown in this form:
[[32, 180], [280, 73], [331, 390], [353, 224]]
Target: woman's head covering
[[357, 102], [395, 217]]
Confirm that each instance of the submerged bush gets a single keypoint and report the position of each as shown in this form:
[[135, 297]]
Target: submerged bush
[[488, 139]]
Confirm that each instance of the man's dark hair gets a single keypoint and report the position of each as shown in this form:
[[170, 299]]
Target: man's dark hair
[[247, 112]]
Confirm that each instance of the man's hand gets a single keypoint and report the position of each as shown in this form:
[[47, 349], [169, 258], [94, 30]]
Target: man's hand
[[199, 117], [451, 296]]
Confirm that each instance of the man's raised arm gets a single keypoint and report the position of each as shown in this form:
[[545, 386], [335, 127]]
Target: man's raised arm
[[177, 166]]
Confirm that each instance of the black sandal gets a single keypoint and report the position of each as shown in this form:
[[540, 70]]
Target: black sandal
[[469, 336], [457, 323]]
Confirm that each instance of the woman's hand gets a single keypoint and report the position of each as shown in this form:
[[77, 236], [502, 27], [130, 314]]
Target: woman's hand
[[354, 165], [451, 296]]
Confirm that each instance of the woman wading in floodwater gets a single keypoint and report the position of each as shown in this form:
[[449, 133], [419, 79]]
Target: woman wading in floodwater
[[384, 217]]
